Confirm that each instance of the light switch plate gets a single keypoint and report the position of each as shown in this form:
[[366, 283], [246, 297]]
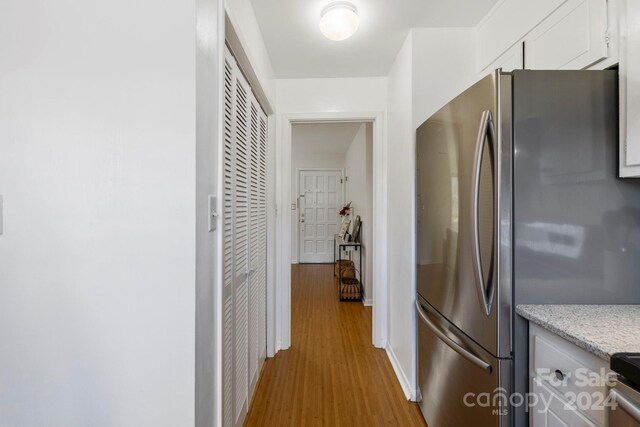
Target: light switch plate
[[212, 213], [293, 206]]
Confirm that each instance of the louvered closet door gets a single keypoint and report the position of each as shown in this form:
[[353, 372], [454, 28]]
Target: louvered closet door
[[244, 258], [257, 245], [262, 243], [241, 245], [254, 237], [228, 319]]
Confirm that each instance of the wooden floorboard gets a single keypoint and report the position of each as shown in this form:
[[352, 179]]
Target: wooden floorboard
[[332, 375]]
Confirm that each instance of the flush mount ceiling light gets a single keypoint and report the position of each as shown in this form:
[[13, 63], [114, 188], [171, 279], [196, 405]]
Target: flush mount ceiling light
[[339, 20]]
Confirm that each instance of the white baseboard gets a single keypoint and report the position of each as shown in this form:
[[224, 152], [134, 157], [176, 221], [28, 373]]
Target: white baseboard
[[402, 378], [368, 302], [294, 261]]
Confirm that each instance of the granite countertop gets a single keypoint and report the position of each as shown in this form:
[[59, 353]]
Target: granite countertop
[[600, 329]]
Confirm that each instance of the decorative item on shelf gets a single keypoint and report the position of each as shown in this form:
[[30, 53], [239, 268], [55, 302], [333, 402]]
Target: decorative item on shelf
[[344, 229], [357, 226], [346, 210], [345, 213]]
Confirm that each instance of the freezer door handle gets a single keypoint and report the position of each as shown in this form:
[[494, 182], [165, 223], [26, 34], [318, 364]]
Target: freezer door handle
[[485, 132], [451, 343]]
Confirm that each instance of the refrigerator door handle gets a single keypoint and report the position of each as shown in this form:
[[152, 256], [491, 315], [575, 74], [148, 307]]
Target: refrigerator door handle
[[486, 131], [451, 343]]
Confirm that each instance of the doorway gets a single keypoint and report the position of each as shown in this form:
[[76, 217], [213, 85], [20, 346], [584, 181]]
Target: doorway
[[287, 225]]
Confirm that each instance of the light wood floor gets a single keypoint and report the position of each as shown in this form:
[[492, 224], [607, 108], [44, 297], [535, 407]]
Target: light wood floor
[[331, 375]]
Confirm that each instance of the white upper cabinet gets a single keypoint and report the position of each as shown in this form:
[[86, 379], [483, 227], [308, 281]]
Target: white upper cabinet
[[629, 88], [557, 35], [574, 37], [505, 26]]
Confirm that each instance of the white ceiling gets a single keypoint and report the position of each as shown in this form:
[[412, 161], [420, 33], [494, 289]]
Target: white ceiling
[[323, 138], [298, 49]]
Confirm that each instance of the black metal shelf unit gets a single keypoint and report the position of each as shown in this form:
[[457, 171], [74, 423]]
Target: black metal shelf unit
[[349, 288]]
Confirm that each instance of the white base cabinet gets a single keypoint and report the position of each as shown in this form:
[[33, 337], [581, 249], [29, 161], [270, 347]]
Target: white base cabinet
[[567, 384], [552, 410]]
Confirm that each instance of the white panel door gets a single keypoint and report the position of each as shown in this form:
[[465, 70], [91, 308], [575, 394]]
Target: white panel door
[[320, 204]]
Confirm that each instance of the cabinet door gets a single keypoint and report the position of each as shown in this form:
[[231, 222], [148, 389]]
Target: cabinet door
[[629, 88], [574, 37], [551, 410]]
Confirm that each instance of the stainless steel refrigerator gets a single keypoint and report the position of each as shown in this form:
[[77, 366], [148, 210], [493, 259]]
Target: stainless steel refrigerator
[[518, 201]]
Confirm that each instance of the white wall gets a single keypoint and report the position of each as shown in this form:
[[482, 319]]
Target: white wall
[[443, 67], [331, 95], [97, 170], [433, 66], [359, 171], [401, 336]]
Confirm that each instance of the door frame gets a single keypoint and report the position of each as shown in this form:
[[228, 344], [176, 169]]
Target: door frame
[[279, 323], [296, 190]]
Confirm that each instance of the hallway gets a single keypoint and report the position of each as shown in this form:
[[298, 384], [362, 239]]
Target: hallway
[[331, 375]]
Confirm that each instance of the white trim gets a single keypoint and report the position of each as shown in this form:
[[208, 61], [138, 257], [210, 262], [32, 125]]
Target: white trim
[[237, 42], [272, 251], [296, 189], [409, 393], [282, 321], [368, 302], [218, 279]]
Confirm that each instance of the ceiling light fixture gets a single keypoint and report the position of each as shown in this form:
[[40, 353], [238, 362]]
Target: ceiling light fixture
[[339, 20]]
